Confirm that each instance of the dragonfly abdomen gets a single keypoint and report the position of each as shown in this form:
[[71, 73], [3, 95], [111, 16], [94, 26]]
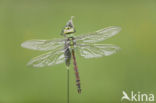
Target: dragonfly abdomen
[[76, 72], [70, 44]]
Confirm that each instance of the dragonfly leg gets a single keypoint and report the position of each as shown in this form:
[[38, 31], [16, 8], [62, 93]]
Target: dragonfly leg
[[67, 57]]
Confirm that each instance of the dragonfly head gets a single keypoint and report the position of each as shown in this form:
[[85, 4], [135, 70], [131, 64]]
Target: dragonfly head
[[69, 28]]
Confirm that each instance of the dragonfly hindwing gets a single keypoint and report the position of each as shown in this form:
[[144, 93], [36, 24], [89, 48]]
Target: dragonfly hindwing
[[97, 50], [48, 59]]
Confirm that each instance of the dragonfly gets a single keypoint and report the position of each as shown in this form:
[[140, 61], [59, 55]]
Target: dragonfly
[[62, 50]]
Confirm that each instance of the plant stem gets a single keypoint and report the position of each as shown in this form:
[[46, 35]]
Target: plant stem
[[68, 85]]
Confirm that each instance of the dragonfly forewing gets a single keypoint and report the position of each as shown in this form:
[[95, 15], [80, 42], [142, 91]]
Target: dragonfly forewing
[[99, 35], [43, 45]]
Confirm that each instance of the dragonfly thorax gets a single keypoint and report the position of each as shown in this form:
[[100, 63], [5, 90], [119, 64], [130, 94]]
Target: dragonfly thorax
[[70, 35], [71, 42]]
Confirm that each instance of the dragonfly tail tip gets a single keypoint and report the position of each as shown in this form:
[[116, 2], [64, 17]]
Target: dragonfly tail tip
[[79, 91]]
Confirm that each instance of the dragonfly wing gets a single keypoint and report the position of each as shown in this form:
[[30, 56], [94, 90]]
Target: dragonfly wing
[[43, 45], [99, 35], [48, 59], [97, 50]]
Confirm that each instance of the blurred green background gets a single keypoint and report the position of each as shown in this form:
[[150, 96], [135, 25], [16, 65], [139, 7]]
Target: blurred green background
[[102, 79]]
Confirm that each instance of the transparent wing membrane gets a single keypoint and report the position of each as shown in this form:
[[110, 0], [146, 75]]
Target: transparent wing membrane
[[48, 59], [99, 35], [97, 50], [43, 45], [84, 44]]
